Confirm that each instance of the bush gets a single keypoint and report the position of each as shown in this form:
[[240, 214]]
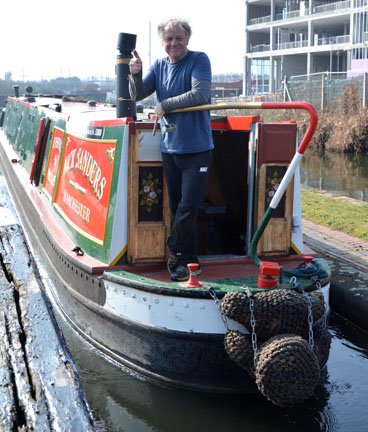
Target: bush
[[343, 128]]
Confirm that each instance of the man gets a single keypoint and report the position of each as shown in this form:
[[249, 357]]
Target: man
[[182, 79]]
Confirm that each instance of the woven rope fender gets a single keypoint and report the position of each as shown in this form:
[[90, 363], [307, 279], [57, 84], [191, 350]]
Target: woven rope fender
[[276, 311], [239, 348], [287, 370]]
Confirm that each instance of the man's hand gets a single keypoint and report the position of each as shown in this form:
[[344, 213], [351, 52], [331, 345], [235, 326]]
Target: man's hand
[[135, 64], [159, 111]]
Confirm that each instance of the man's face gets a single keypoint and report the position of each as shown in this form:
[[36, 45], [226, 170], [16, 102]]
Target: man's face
[[175, 42]]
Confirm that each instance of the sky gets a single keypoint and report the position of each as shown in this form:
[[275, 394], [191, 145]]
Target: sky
[[45, 39]]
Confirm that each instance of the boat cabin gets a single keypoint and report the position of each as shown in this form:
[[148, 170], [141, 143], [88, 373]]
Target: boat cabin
[[104, 180]]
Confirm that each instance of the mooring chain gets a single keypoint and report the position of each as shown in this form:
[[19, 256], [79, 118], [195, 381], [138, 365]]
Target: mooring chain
[[218, 304], [319, 288], [310, 314], [252, 323]]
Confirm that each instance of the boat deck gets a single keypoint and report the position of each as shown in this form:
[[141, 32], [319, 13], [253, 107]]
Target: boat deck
[[221, 273]]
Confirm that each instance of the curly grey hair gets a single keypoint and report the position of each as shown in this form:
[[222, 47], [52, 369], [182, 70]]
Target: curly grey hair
[[184, 25]]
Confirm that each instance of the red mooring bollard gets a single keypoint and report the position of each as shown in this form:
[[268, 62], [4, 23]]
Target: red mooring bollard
[[193, 281], [269, 275]]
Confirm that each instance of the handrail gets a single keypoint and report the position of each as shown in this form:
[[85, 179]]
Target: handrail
[[293, 164]]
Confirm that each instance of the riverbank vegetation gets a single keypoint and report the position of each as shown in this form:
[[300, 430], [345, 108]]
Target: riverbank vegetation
[[344, 126], [336, 212]]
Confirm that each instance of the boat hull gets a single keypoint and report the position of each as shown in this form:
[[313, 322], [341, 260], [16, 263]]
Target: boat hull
[[171, 336], [183, 359]]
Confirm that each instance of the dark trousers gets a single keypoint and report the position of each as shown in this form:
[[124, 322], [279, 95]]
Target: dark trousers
[[186, 179]]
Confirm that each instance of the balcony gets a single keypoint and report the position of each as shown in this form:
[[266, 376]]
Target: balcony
[[332, 7], [260, 20], [360, 3], [333, 40], [290, 45], [287, 15], [259, 48]]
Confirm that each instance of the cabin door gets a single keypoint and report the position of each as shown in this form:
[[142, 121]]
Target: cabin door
[[149, 216], [275, 149]]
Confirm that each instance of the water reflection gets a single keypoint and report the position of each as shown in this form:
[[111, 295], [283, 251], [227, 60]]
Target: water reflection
[[343, 174]]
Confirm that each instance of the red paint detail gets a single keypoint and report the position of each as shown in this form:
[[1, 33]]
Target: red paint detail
[[86, 164], [193, 281], [276, 143], [298, 105], [307, 259], [235, 123], [43, 150], [53, 160], [113, 122], [134, 127], [25, 103], [267, 281], [269, 268], [37, 149]]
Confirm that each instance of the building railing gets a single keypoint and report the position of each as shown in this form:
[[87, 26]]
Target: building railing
[[295, 44], [334, 40], [332, 7], [260, 48], [360, 3], [260, 20], [287, 15]]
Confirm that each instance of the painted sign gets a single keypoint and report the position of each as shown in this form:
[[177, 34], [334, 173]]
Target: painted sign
[[53, 161], [83, 192]]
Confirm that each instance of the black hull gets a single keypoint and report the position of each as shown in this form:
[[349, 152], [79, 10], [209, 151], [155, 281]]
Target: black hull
[[172, 358]]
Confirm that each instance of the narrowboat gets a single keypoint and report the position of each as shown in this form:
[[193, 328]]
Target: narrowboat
[[88, 184]]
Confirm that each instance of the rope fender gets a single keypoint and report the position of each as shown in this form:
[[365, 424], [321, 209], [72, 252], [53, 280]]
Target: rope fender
[[286, 369]]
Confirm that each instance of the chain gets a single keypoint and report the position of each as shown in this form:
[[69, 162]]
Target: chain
[[293, 281], [300, 289], [310, 319], [218, 304], [252, 323], [319, 286]]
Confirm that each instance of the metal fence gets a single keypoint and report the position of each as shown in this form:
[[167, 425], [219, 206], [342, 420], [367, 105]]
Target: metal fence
[[325, 89]]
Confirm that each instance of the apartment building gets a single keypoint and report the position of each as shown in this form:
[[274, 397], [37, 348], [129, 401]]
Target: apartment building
[[302, 37]]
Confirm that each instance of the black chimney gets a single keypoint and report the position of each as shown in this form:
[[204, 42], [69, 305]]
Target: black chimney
[[16, 91], [125, 106]]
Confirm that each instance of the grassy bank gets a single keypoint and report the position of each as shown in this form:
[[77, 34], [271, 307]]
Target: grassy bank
[[336, 212]]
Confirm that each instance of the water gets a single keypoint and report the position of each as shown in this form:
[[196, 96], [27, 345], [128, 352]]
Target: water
[[343, 174], [121, 401]]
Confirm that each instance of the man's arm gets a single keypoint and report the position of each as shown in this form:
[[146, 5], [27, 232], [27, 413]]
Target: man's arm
[[138, 89], [198, 95]]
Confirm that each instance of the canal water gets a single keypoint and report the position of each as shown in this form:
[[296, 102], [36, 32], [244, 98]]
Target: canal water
[[122, 401], [342, 174]]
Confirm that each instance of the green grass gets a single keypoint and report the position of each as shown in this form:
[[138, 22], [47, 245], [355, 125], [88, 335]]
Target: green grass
[[335, 212]]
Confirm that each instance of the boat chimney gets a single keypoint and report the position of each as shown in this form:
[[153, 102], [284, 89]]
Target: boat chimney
[[125, 107], [16, 91]]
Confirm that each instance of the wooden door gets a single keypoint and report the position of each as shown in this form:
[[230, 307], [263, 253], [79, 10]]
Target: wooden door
[[275, 150], [148, 209]]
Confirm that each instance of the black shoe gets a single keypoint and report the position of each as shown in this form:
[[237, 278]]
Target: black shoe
[[181, 274], [178, 269], [172, 263]]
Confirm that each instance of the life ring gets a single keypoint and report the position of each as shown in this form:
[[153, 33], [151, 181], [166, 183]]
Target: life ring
[[37, 148]]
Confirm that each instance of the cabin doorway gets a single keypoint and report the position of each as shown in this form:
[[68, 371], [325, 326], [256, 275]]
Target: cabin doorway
[[222, 220]]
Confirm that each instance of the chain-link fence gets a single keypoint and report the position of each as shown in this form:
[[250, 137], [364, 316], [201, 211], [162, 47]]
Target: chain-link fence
[[321, 90], [325, 89]]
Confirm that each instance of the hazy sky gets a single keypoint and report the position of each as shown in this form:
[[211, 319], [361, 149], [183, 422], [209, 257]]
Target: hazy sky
[[48, 38]]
